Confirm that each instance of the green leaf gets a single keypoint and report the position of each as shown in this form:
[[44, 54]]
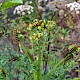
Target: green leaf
[[21, 76], [17, 1], [26, 19], [10, 4], [75, 78]]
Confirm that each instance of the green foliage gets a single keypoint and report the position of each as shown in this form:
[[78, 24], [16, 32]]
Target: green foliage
[[41, 34], [57, 66], [24, 68], [75, 79], [11, 3], [20, 67], [63, 31]]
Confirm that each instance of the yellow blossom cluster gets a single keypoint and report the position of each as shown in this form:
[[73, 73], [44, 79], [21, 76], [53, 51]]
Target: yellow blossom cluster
[[40, 27], [41, 24], [36, 36], [50, 24]]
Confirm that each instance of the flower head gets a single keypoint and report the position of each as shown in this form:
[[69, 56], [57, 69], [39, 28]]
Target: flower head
[[74, 7], [22, 9]]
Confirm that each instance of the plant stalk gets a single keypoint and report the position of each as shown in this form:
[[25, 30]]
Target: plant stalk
[[55, 67], [39, 61]]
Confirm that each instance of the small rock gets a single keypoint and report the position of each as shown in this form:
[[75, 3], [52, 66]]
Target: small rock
[[4, 42]]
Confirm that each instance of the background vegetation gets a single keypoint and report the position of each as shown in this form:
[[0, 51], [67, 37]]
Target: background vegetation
[[40, 40]]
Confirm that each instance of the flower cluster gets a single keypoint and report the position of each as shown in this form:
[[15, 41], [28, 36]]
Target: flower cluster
[[23, 9], [36, 36], [56, 5], [42, 0], [74, 7], [41, 25], [50, 24], [39, 28], [37, 23]]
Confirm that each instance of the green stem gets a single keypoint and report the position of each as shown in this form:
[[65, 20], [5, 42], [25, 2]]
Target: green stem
[[56, 32], [39, 61], [26, 51], [35, 76], [54, 68], [48, 48], [32, 44]]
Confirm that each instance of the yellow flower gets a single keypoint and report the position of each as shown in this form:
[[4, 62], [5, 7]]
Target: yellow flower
[[34, 34], [30, 26], [35, 20], [36, 38], [30, 38], [42, 28], [18, 32], [39, 27], [39, 35], [48, 26], [44, 21], [54, 22], [42, 25], [33, 37], [71, 46]]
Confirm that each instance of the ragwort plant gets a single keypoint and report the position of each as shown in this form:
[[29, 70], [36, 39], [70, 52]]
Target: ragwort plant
[[40, 36], [39, 30]]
